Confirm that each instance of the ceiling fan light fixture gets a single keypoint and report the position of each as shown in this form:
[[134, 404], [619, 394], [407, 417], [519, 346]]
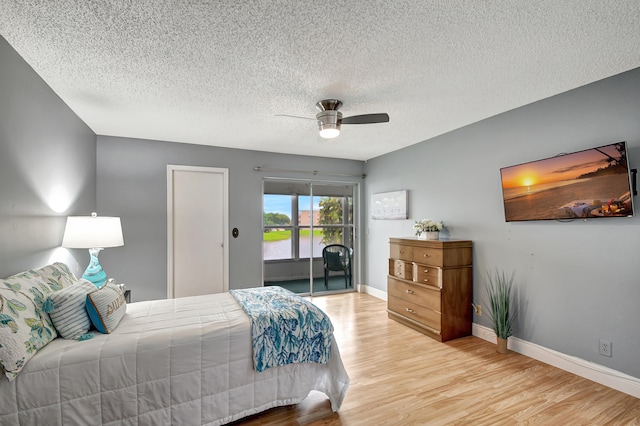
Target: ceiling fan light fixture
[[330, 119], [329, 132], [329, 123]]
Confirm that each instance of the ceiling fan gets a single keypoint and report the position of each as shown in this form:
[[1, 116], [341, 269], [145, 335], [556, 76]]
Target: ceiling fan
[[330, 119]]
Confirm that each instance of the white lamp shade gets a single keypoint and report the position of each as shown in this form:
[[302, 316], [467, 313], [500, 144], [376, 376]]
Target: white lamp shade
[[92, 232]]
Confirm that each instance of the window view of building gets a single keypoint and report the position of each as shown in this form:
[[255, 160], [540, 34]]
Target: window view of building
[[320, 220]]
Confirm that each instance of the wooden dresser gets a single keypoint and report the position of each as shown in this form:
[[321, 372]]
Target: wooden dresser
[[430, 286]]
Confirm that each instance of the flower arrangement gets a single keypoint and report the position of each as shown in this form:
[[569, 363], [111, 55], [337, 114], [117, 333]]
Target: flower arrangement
[[427, 225]]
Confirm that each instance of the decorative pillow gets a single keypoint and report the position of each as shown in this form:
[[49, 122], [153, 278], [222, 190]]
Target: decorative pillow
[[24, 328], [67, 309], [57, 275], [106, 307]]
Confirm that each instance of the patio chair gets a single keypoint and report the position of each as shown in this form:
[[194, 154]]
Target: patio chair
[[337, 257]]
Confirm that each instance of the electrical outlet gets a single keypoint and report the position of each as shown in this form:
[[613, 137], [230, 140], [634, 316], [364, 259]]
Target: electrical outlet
[[605, 348], [477, 309]]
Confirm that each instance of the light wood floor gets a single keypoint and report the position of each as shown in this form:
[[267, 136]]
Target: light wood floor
[[401, 377]]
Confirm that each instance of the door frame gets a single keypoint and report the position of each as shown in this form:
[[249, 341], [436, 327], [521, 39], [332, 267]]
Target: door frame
[[171, 169], [357, 236]]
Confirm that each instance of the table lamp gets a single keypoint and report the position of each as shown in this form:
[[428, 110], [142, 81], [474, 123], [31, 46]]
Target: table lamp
[[94, 233]]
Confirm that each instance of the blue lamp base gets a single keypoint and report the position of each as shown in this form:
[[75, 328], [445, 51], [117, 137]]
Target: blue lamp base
[[94, 271]]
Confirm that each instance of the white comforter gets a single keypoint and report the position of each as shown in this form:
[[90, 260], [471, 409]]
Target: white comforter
[[182, 361]]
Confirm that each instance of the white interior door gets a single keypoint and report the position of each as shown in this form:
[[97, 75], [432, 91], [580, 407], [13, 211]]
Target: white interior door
[[197, 217]]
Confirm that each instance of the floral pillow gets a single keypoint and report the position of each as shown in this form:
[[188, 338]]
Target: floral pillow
[[24, 328], [57, 276]]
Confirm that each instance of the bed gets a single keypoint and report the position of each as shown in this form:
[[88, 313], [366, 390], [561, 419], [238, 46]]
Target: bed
[[186, 361]]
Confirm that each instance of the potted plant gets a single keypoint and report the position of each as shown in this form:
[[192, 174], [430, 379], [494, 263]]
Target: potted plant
[[430, 228], [501, 308]]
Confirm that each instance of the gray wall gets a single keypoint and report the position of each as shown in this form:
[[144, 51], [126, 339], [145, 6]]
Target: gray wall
[[578, 282], [47, 169], [132, 184]]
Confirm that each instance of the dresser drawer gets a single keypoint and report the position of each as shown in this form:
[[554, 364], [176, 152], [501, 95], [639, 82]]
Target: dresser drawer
[[413, 311], [415, 294], [402, 252], [428, 255], [401, 269], [425, 274]]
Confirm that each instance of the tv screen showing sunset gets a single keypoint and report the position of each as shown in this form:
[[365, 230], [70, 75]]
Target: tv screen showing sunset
[[584, 184]]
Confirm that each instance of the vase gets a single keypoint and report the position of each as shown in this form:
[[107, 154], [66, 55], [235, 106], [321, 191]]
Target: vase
[[501, 347], [432, 235], [422, 236]]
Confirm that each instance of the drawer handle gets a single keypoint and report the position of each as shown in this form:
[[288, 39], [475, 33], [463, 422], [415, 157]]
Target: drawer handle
[[410, 291], [426, 280], [411, 311], [426, 270], [426, 255]]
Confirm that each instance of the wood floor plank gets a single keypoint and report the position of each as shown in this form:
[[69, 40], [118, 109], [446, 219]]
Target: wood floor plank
[[401, 377]]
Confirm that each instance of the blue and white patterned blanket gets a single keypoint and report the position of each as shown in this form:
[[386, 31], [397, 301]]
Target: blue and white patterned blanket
[[285, 328]]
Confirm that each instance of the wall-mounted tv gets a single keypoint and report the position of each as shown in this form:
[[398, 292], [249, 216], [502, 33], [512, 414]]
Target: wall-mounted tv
[[594, 183]]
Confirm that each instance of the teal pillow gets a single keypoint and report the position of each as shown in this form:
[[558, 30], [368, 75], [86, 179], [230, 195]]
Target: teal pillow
[[68, 311], [106, 307]]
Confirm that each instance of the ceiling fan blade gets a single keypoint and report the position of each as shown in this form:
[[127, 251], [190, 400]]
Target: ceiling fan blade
[[295, 116], [366, 119]]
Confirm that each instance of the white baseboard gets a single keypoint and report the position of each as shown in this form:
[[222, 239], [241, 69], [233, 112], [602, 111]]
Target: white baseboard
[[580, 367], [363, 288]]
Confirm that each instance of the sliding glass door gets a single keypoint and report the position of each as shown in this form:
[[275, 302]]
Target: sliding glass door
[[300, 219]]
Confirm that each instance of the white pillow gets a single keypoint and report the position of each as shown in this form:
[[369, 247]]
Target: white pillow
[[67, 309]]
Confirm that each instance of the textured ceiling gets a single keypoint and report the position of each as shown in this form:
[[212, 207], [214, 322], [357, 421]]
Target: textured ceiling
[[218, 72]]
